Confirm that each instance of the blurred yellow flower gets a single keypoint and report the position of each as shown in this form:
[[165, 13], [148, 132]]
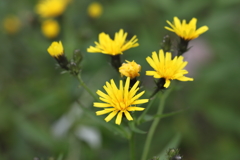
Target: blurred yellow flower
[[11, 24], [167, 68], [119, 101], [50, 28], [184, 30], [113, 47], [95, 10], [55, 49], [51, 8], [130, 69]]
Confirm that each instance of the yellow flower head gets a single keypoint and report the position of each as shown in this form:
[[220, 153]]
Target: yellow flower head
[[95, 10], [184, 30], [130, 69], [113, 47], [50, 28], [55, 49], [11, 24], [51, 8], [119, 100], [167, 68]]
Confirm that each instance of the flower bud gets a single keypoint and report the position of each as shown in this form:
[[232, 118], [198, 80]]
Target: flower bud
[[130, 69]]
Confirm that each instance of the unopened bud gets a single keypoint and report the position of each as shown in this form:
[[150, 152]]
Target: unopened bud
[[166, 43]]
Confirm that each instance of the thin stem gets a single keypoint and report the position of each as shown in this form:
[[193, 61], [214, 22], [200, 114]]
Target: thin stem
[[146, 110], [85, 87], [132, 146], [154, 125]]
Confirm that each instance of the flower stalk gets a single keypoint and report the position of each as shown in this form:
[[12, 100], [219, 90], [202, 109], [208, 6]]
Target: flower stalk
[[140, 119], [155, 123], [132, 146], [86, 88]]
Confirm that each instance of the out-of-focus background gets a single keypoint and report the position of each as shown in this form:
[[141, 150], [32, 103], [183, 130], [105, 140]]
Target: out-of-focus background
[[39, 116]]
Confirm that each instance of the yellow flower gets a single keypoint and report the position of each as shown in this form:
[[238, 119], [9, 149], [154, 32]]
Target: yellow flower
[[11, 24], [167, 68], [51, 8], [119, 101], [95, 10], [113, 47], [55, 49], [130, 69], [184, 30], [50, 28]]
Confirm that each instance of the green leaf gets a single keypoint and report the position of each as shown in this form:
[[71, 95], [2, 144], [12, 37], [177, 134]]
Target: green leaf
[[170, 114], [147, 118]]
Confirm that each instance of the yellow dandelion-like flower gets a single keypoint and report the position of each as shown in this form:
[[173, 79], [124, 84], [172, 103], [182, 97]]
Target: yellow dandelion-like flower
[[12, 24], [113, 47], [130, 69], [95, 10], [50, 28], [119, 100], [51, 8], [184, 30], [167, 68], [56, 49]]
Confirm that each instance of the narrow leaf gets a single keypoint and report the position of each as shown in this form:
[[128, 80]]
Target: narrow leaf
[[169, 114]]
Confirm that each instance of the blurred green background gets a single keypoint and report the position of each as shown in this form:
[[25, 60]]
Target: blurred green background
[[38, 113]]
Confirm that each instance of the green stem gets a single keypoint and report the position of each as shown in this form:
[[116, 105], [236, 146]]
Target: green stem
[[132, 146], [86, 88], [154, 125], [146, 110]]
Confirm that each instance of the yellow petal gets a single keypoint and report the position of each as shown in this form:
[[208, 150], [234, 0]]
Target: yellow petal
[[100, 93], [134, 87], [128, 115], [202, 30], [152, 63], [105, 111], [110, 116], [105, 100], [138, 95], [177, 22], [170, 29], [101, 105], [126, 87], [135, 109], [167, 83], [140, 101], [150, 73], [119, 118], [193, 23], [185, 79]]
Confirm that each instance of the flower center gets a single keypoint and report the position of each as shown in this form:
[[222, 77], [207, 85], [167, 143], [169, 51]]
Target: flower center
[[122, 106]]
